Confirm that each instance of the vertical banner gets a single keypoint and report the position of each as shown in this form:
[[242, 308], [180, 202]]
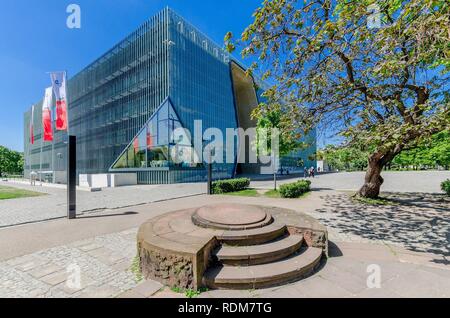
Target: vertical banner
[[136, 145], [32, 126], [47, 115], [149, 139], [59, 88]]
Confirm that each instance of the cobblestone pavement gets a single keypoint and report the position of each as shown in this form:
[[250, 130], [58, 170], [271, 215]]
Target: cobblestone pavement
[[104, 263], [53, 205]]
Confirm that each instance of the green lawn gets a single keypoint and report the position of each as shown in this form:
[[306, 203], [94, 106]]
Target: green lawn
[[7, 193], [375, 202], [276, 194], [245, 193], [273, 194]]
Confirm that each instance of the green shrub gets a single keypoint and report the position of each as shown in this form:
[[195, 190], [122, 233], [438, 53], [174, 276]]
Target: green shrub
[[445, 186], [295, 190], [231, 185]]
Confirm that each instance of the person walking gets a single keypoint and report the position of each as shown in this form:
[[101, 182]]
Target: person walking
[[313, 172]]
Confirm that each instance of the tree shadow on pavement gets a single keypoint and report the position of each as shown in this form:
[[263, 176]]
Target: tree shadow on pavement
[[90, 216], [417, 221]]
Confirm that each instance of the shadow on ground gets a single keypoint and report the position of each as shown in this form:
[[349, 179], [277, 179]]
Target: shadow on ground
[[88, 216], [419, 222]]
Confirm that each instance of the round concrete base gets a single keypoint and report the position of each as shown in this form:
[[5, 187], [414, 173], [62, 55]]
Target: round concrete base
[[233, 217]]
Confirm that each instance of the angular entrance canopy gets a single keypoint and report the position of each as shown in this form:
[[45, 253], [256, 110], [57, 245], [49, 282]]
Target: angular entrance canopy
[[161, 144]]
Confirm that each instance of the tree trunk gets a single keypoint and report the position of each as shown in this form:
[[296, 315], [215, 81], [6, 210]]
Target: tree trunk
[[373, 180]]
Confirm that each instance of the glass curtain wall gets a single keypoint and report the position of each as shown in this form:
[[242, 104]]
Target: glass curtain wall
[[200, 84], [110, 100], [113, 97], [119, 96], [161, 143]]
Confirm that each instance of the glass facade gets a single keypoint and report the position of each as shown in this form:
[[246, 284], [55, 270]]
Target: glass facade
[[162, 143], [124, 107]]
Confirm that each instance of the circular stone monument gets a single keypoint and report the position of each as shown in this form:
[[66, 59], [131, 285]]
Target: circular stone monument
[[261, 246]]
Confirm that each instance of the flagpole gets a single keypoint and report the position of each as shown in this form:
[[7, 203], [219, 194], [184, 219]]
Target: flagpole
[[59, 85], [67, 101], [40, 156], [53, 147], [29, 142]]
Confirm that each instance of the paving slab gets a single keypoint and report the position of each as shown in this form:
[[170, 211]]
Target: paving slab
[[85, 281], [378, 293], [281, 292], [231, 294], [45, 270], [317, 287], [419, 283], [55, 278], [350, 281], [33, 264], [148, 288], [131, 294], [104, 291], [167, 293]]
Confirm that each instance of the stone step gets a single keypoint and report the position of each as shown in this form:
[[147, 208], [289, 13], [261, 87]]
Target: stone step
[[263, 276], [254, 236], [259, 254]]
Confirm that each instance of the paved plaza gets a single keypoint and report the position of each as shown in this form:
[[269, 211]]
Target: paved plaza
[[408, 240], [53, 205]]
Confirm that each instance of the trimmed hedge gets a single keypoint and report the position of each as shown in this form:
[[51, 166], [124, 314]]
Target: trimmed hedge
[[445, 186], [231, 185], [295, 190]]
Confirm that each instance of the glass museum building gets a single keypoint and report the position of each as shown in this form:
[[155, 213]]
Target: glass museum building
[[124, 107]]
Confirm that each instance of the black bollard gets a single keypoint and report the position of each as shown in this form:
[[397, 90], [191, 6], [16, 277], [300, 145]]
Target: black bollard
[[210, 191], [72, 178]]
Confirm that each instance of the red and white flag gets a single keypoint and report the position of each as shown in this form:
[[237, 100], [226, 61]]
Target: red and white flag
[[32, 126], [59, 88], [136, 145], [149, 140], [47, 115]]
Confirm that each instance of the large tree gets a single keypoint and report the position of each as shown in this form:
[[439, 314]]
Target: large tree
[[375, 72], [345, 158], [271, 119], [434, 152]]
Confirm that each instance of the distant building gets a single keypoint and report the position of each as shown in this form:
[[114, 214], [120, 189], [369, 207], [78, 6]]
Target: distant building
[[322, 166], [124, 106]]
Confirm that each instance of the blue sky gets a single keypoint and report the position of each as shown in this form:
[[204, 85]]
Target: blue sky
[[34, 39]]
